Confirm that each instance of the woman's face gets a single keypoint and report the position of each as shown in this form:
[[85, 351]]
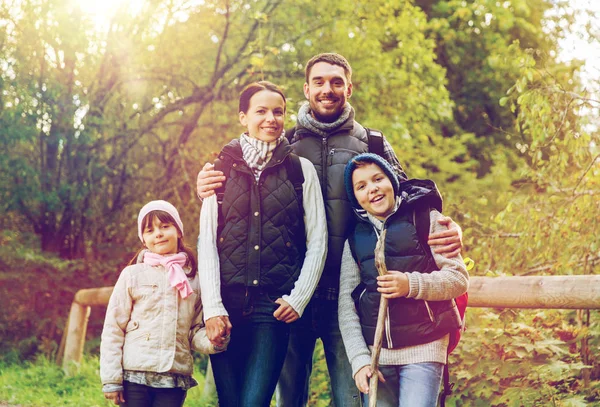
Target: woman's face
[[265, 116], [373, 190]]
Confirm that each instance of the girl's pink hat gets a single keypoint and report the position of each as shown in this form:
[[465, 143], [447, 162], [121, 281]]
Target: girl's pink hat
[[158, 206]]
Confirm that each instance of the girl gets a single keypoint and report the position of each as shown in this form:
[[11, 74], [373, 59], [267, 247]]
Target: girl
[[420, 286], [154, 317], [262, 248]]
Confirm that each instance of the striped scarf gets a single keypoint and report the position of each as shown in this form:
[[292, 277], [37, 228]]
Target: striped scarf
[[257, 153]]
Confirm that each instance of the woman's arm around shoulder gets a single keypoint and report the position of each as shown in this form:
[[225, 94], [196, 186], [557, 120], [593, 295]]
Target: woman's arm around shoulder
[[450, 281], [316, 240]]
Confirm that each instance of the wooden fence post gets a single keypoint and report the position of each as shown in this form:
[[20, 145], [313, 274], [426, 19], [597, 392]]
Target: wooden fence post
[[76, 328]]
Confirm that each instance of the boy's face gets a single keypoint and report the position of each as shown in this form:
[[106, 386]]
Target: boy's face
[[373, 190]]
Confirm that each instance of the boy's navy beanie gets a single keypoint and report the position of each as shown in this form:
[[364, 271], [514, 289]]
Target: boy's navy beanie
[[372, 159]]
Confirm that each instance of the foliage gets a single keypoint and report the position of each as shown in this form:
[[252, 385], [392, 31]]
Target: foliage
[[95, 122], [38, 289]]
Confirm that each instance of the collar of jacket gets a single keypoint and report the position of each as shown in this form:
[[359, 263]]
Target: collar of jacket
[[348, 126], [234, 150]]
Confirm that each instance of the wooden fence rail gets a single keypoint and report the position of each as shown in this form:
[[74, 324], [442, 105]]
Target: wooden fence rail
[[559, 292]]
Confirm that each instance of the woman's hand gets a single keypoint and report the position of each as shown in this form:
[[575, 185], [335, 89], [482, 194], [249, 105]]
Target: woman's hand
[[115, 396], [362, 378], [218, 330], [285, 312], [393, 285], [208, 180], [449, 241]]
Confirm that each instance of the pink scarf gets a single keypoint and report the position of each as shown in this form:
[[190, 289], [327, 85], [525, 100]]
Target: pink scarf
[[175, 272]]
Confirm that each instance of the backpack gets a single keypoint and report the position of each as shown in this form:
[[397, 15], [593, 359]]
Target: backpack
[[422, 223]]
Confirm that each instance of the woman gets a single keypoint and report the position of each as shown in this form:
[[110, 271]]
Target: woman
[[261, 250]]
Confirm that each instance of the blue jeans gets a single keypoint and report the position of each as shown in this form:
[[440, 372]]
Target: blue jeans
[[320, 320], [246, 373], [413, 385]]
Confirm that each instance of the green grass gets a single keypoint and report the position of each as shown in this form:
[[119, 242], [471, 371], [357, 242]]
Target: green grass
[[43, 384]]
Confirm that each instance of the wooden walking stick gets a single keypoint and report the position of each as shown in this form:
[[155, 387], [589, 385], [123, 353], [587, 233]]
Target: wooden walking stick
[[383, 305]]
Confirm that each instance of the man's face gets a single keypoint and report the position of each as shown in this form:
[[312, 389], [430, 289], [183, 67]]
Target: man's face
[[327, 91]]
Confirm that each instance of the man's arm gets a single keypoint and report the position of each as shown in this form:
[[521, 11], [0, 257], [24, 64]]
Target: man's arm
[[448, 242], [208, 180]]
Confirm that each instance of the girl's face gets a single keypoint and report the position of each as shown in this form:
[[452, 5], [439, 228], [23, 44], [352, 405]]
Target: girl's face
[[265, 116], [161, 237], [373, 190]]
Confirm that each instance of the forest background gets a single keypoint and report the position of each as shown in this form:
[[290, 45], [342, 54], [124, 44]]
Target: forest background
[[103, 110]]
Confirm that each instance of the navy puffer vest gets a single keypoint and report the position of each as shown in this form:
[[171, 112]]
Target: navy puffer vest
[[330, 155], [261, 237], [410, 321]]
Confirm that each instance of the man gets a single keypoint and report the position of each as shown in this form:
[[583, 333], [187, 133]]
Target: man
[[327, 135]]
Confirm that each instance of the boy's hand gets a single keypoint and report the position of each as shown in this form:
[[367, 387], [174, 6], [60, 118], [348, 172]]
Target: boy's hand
[[208, 180], [393, 285], [285, 312], [218, 330], [115, 396], [449, 241], [362, 378]]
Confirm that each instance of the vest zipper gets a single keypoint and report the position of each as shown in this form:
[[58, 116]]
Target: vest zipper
[[429, 311], [324, 168], [388, 329], [361, 295]]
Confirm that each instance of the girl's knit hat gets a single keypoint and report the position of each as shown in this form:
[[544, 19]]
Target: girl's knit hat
[[158, 206], [371, 159]]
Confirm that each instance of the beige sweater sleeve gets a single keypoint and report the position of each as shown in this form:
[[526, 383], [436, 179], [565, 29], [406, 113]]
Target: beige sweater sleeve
[[356, 348], [449, 282]]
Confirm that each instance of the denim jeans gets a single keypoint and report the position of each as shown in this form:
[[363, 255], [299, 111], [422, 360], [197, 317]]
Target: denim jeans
[[139, 395], [246, 373], [320, 320], [413, 385]]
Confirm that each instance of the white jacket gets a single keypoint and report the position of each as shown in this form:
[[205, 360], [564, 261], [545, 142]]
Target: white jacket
[[149, 327]]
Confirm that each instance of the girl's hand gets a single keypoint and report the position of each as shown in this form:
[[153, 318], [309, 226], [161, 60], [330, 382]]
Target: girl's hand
[[115, 396], [362, 378], [218, 330], [285, 312], [449, 241], [393, 285]]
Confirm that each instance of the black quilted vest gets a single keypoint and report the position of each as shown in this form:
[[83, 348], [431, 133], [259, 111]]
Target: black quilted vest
[[261, 239], [329, 156], [410, 322]]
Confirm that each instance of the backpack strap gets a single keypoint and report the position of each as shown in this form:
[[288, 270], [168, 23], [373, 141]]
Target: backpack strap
[[222, 164], [289, 134], [422, 221], [293, 167], [375, 138], [447, 390]]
